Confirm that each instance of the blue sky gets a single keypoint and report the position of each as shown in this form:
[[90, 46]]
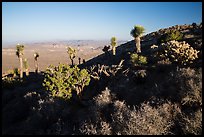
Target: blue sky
[[43, 21]]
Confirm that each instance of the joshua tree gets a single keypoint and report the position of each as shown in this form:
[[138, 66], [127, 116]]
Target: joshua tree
[[36, 56], [72, 54], [25, 63], [136, 32], [106, 48], [19, 54], [84, 61], [15, 72], [79, 61], [113, 44]]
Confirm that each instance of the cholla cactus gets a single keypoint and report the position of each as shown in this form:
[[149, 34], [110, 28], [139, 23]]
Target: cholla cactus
[[19, 54], [113, 44], [62, 80], [36, 56], [180, 52], [25, 63], [72, 54], [82, 79]]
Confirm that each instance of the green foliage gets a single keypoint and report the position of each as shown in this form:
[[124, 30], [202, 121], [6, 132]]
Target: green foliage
[[138, 59], [180, 52], [113, 41], [137, 31], [171, 35], [62, 80], [19, 50]]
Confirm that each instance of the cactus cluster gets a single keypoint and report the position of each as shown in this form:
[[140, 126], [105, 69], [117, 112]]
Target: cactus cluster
[[180, 52], [62, 80], [138, 59]]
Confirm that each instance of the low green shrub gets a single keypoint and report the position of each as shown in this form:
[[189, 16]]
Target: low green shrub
[[138, 59], [171, 35], [62, 80]]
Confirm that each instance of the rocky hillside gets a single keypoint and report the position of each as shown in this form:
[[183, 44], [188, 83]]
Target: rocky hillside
[[159, 94], [192, 34]]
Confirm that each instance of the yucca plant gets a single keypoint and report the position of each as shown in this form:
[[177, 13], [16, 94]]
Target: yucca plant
[[113, 44], [19, 54], [136, 32], [72, 54], [36, 56]]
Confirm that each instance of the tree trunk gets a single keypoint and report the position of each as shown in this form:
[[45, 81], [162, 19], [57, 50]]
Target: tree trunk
[[27, 72], [137, 42], [114, 51], [36, 66], [21, 67], [79, 61], [72, 62]]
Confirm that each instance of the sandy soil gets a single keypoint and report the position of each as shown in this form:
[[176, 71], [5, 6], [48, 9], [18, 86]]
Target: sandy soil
[[48, 55]]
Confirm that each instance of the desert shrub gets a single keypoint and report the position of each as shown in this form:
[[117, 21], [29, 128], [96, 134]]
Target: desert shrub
[[138, 59], [109, 116], [141, 74], [102, 128], [97, 123], [192, 124], [147, 120], [169, 36], [10, 82], [180, 52], [62, 80], [194, 24], [103, 99], [190, 83]]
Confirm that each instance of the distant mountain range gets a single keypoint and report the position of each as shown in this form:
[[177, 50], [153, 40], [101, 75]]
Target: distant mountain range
[[94, 43]]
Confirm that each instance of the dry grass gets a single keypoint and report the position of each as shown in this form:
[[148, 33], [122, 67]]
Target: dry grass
[[190, 83], [192, 124], [124, 120]]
